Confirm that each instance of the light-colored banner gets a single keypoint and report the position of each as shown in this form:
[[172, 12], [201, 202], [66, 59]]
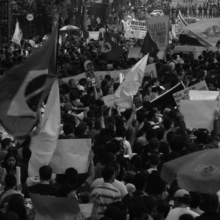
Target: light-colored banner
[[159, 30], [134, 52], [111, 100], [151, 70], [71, 153], [184, 94], [135, 29], [206, 31], [76, 78], [94, 35], [86, 209], [115, 75], [198, 113], [99, 75], [203, 95], [51, 208]]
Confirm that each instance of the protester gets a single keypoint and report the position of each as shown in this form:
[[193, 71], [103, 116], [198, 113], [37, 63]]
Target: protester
[[129, 145]]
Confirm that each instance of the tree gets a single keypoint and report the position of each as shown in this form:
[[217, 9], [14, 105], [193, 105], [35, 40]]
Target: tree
[[46, 8]]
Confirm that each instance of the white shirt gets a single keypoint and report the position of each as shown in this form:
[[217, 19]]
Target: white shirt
[[117, 184], [175, 213]]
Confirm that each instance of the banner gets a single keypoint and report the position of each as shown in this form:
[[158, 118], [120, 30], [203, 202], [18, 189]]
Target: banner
[[184, 94], [50, 208], [203, 95], [198, 113], [99, 75], [159, 30], [86, 209], [135, 29], [76, 78], [71, 153], [207, 32], [115, 75], [134, 52], [151, 70], [111, 100]]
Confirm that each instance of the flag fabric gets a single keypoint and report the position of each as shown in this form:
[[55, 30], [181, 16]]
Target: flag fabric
[[44, 144], [205, 31], [23, 88], [149, 46], [159, 28], [110, 49], [167, 98], [133, 80], [17, 34], [181, 19]]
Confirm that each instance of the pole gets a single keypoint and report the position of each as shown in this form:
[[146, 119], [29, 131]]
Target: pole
[[30, 29]]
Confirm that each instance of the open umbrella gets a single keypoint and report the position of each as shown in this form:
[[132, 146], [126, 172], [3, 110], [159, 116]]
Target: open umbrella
[[198, 172], [69, 28]]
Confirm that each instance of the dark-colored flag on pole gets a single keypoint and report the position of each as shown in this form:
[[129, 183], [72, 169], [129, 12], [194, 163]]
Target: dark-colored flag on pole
[[111, 49], [149, 46], [166, 98]]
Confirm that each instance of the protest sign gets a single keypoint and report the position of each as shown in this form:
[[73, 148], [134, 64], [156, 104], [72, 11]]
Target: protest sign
[[110, 100], [166, 98], [161, 54], [151, 70], [135, 29], [184, 94], [71, 153], [94, 35], [159, 30], [134, 52], [76, 78], [203, 95], [86, 209], [50, 208], [198, 113]]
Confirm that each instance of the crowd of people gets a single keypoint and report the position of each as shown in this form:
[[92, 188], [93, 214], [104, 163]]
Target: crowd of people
[[129, 147]]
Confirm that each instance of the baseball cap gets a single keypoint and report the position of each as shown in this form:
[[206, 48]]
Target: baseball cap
[[181, 193]]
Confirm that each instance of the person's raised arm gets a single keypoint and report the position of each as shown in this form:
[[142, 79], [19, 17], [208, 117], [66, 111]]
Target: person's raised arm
[[129, 121]]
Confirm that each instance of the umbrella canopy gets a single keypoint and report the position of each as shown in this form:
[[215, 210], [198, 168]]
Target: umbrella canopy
[[198, 172], [69, 28]]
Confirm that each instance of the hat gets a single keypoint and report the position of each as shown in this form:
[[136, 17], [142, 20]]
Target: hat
[[181, 193]]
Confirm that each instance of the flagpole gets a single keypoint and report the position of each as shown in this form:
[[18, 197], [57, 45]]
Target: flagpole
[[57, 43]]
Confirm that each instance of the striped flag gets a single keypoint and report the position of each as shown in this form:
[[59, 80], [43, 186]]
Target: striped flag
[[181, 19], [17, 34]]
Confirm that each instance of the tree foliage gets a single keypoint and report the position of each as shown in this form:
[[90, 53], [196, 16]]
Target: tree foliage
[[46, 8]]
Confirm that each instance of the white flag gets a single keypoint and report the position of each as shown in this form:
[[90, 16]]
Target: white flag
[[133, 80], [44, 144], [17, 34]]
